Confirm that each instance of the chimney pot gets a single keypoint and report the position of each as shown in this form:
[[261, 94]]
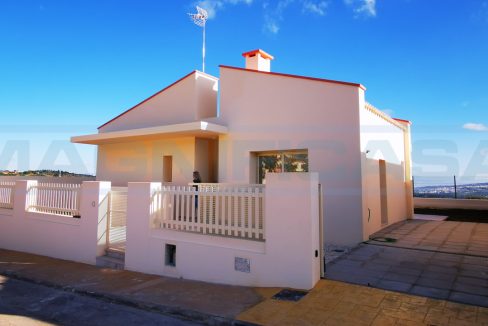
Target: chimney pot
[[258, 60]]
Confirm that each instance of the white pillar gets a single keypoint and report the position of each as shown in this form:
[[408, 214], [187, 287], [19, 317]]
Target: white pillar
[[21, 196], [94, 209], [292, 229], [139, 198]]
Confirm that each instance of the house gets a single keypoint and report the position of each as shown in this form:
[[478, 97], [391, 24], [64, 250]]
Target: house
[[250, 121]]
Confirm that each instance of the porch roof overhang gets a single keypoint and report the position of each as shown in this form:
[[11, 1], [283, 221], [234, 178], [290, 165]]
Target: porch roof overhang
[[191, 129]]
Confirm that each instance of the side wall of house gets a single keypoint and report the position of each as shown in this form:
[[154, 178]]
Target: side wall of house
[[265, 112], [381, 140], [193, 97], [143, 161]]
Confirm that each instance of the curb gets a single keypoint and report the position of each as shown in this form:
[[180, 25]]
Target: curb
[[181, 313]]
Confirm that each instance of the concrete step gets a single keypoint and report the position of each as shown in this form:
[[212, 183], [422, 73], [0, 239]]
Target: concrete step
[[115, 253], [110, 262]]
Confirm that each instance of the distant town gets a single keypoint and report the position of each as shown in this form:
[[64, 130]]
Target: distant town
[[42, 173]]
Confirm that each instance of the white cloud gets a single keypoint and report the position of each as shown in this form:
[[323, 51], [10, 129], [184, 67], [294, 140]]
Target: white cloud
[[212, 6], [272, 27], [366, 8], [274, 11], [475, 126], [274, 15], [317, 8]]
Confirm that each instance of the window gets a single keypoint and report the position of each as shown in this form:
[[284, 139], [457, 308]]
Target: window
[[282, 161]]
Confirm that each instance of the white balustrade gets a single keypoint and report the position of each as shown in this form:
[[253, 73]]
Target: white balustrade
[[213, 209], [55, 198], [7, 194]]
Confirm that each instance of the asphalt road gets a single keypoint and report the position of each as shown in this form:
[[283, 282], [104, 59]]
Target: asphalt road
[[25, 303]]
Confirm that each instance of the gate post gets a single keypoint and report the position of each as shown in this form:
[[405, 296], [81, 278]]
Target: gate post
[[94, 209]]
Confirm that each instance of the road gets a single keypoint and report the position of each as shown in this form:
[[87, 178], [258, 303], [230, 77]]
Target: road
[[25, 303]]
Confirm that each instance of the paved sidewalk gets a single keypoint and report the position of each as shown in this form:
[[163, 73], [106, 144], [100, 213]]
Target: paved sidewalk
[[453, 277], [199, 301], [329, 303], [337, 303], [438, 259], [445, 236]]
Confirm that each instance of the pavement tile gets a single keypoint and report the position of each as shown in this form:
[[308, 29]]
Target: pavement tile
[[473, 273], [436, 317], [384, 320], [471, 289], [406, 270], [442, 269], [467, 315], [314, 317], [365, 299], [472, 281], [435, 303], [469, 298], [475, 267], [338, 320], [482, 316], [390, 302], [434, 282], [430, 292], [405, 314], [394, 285], [475, 260], [364, 313], [377, 266], [459, 322], [405, 278]]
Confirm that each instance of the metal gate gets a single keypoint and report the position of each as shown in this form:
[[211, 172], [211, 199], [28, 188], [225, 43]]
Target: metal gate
[[117, 218]]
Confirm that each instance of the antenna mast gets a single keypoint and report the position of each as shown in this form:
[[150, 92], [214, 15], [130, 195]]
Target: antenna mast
[[200, 19]]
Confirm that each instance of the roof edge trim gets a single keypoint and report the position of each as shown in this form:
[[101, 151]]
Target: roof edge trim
[[157, 93], [408, 122], [296, 76], [381, 114]]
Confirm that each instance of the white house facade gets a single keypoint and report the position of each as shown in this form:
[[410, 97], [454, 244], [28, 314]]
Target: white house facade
[[249, 122]]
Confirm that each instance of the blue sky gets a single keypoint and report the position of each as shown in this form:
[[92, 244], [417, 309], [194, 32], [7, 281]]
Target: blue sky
[[66, 67]]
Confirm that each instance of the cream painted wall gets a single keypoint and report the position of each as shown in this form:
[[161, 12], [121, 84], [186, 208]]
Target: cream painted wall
[[371, 196], [268, 112], [57, 236], [190, 99], [206, 158], [384, 141], [143, 160], [283, 260]]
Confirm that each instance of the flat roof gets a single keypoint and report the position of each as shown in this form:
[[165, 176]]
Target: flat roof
[[197, 129]]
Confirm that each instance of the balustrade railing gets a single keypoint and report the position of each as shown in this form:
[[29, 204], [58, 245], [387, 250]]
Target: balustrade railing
[[7, 194], [213, 209], [55, 198]]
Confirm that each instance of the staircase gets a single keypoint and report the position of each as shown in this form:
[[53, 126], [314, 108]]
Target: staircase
[[114, 258]]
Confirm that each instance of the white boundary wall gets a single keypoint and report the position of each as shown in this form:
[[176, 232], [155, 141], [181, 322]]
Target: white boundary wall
[[289, 257], [53, 235], [447, 203]]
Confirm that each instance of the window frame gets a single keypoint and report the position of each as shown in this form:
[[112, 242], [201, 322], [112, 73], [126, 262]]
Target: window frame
[[282, 153]]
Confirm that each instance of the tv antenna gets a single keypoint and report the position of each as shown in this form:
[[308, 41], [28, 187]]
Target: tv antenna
[[200, 19]]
